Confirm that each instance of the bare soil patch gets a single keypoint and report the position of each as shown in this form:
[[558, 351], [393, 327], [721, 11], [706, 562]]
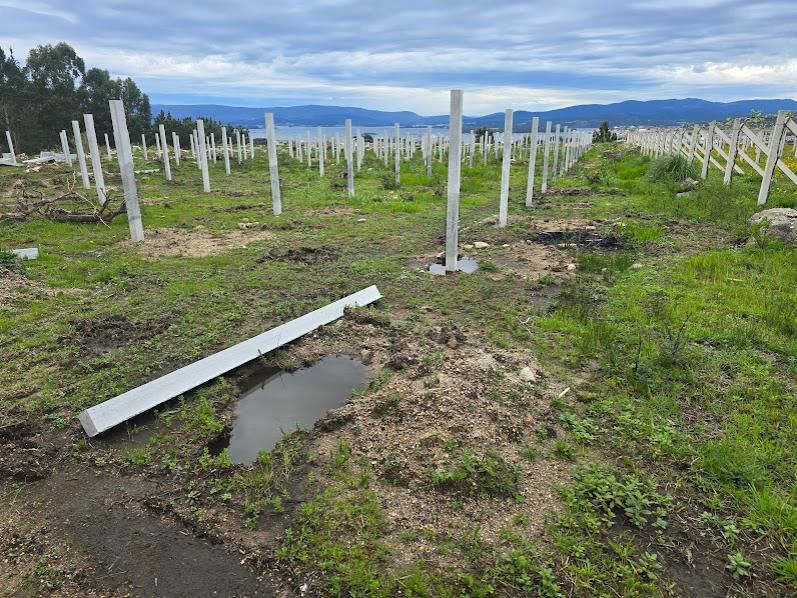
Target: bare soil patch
[[14, 285], [102, 335], [304, 255], [172, 242]]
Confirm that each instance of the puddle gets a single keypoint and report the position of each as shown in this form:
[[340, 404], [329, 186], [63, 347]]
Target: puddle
[[468, 265], [276, 402]]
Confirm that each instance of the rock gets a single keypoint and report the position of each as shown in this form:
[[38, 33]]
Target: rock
[[683, 194], [636, 266], [527, 374], [467, 246], [571, 267], [689, 183], [779, 223], [481, 245], [452, 343], [362, 220]]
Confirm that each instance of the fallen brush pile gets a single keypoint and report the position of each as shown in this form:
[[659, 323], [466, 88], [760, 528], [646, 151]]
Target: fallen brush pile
[[79, 208]]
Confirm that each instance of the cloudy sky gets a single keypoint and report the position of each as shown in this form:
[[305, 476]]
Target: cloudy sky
[[407, 55]]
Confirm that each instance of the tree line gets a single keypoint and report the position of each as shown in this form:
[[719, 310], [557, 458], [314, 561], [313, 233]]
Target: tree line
[[40, 97]]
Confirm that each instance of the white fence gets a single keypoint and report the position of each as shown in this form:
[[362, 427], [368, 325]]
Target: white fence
[[708, 143]]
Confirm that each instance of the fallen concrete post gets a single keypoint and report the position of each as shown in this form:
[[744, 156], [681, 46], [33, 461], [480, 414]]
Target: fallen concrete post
[[28, 253], [110, 413]]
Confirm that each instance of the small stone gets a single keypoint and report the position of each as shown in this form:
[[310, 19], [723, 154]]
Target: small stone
[[636, 266], [467, 246], [527, 375], [481, 245], [452, 343], [362, 220], [505, 245], [571, 267]]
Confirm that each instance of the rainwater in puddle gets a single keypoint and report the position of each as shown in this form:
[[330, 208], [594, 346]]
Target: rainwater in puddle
[[277, 402]]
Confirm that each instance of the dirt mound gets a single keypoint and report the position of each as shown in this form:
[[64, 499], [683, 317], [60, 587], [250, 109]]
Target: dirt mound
[[304, 255], [172, 242], [102, 335], [25, 453]]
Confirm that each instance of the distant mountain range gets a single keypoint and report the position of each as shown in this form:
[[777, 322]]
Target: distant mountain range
[[627, 113]]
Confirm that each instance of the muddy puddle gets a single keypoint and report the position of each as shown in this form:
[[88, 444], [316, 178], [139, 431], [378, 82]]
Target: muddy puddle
[[275, 402]]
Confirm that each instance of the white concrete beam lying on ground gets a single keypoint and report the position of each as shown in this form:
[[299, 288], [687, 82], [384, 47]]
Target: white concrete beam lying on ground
[[115, 411], [26, 253]]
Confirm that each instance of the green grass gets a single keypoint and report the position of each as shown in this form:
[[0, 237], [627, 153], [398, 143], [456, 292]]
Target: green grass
[[683, 370]]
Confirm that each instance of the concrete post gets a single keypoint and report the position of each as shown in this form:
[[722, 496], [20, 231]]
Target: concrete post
[[545, 153], [225, 150], [733, 146], [213, 147], [108, 146], [158, 151], [167, 168], [65, 147], [144, 146], [273, 165], [203, 154], [472, 148], [554, 171], [397, 152], [322, 152], [452, 206], [124, 155], [238, 142], [251, 147], [772, 158], [506, 164], [96, 161], [428, 151], [11, 147], [360, 150], [177, 150], [535, 125], [81, 156], [349, 161], [708, 145]]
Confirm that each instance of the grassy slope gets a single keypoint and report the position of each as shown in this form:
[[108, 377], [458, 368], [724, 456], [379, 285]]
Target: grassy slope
[[688, 363]]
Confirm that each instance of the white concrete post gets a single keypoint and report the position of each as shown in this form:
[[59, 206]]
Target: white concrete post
[[11, 147], [545, 153], [158, 151], [251, 147], [273, 165], [124, 155], [535, 125], [472, 148], [238, 142], [554, 171], [397, 152], [81, 156], [177, 150], [360, 150], [225, 150], [167, 168], [349, 161], [772, 159], [144, 146], [503, 203], [452, 207], [96, 161], [213, 147], [321, 151], [65, 148], [733, 148], [108, 146], [693, 143], [203, 154], [428, 151], [708, 145]]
